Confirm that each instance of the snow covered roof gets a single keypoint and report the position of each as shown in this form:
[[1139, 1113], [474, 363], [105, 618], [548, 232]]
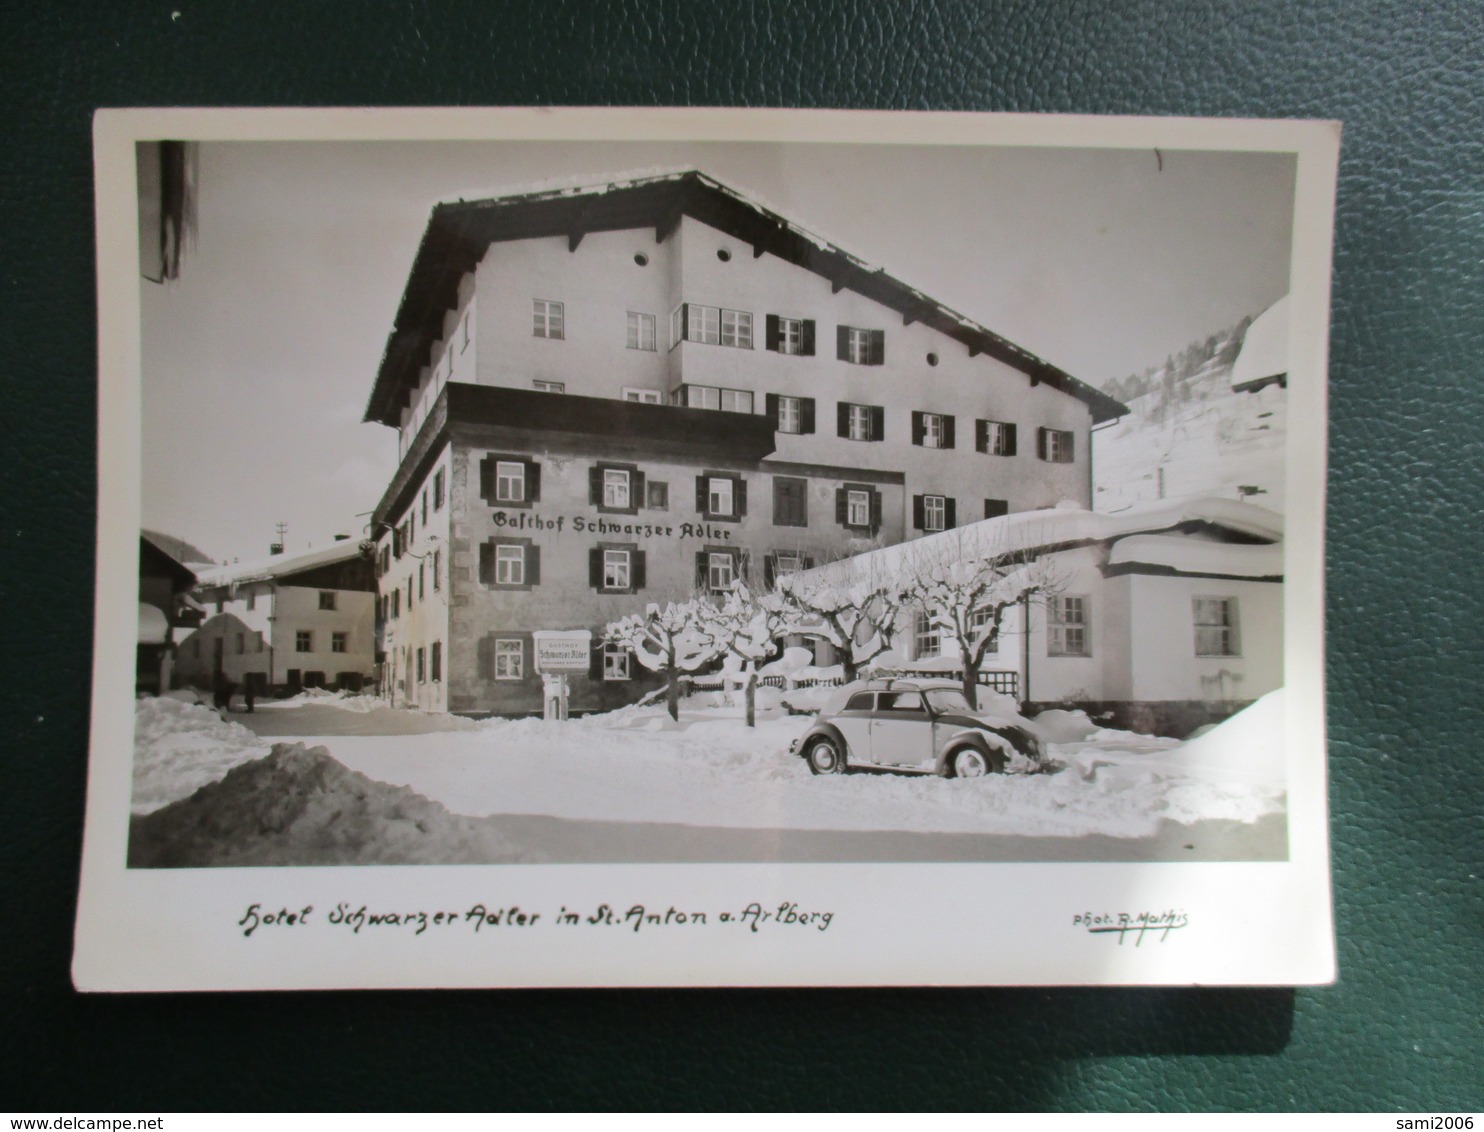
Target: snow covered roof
[[1067, 526], [1264, 354], [459, 233], [1193, 556], [278, 565]]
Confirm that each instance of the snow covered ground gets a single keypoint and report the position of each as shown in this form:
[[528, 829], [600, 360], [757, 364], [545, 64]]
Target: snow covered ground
[[637, 765]]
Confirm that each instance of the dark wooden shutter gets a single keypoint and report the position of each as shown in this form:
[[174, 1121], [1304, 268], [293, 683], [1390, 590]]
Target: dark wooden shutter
[[842, 418], [1040, 444], [533, 565], [636, 490], [875, 510], [842, 506], [1071, 446], [919, 427], [701, 570], [684, 321], [842, 343], [878, 348], [595, 485], [981, 436], [486, 656], [950, 513], [770, 332], [486, 563], [638, 573], [739, 496], [808, 562], [878, 422], [533, 481], [994, 508], [770, 570], [487, 479], [806, 415], [742, 565], [919, 517], [595, 660], [1009, 439], [948, 432], [770, 405], [702, 497], [595, 567], [806, 340]]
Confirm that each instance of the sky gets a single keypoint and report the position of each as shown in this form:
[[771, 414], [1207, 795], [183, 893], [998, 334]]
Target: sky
[[257, 362]]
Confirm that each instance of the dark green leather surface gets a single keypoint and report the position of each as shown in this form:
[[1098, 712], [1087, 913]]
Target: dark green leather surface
[[1400, 1030]]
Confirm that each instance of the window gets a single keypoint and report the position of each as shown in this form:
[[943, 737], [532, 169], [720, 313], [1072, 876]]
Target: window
[[1066, 629], [338, 642], [615, 569], [711, 326], [657, 495], [422, 581], [1216, 626], [1055, 446], [509, 481], [790, 502], [641, 331], [721, 571], [437, 558], [978, 620], [425, 507], [440, 483], [860, 347], [508, 563], [789, 335], [994, 508], [720, 496], [927, 638], [252, 600], [422, 666], [736, 329], [396, 603], [615, 662], [933, 513], [710, 397], [509, 658], [549, 386], [860, 422], [436, 661], [703, 325], [547, 318], [788, 414], [794, 415], [932, 430], [615, 488], [858, 507], [782, 563], [304, 640], [643, 396], [994, 438]]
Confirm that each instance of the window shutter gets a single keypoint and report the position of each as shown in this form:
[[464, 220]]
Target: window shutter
[[878, 422], [808, 562], [806, 340], [487, 563], [486, 650], [1071, 439], [842, 506], [842, 343], [742, 565], [533, 481], [595, 485], [487, 479], [701, 570], [878, 347], [637, 575], [770, 570], [981, 436], [919, 429], [636, 490], [875, 511], [595, 567], [950, 517], [770, 333], [595, 661], [994, 508], [948, 431], [739, 496], [702, 500], [770, 403], [533, 565], [1040, 444], [842, 418], [1009, 440], [806, 414], [685, 321], [919, 519]]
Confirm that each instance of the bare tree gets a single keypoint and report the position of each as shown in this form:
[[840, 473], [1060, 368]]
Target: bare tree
[[747, 626], [673, 639], [852, 604]]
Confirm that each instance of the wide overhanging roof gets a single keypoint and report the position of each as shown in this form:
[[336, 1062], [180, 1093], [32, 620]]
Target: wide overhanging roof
[[458, 235]]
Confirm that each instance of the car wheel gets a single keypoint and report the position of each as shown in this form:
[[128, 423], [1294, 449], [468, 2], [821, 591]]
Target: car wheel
[[971, 762], [826, 757]]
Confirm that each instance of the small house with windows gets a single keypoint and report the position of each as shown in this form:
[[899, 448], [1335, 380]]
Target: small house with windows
[[622, 393], [285, 623]]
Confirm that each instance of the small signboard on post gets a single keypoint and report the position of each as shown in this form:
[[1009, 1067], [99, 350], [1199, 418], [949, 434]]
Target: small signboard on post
[[559, 652]]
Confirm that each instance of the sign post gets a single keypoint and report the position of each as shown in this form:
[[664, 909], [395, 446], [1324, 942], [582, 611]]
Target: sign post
[[557, 653]]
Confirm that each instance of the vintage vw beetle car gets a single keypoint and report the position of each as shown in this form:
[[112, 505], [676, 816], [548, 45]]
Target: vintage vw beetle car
[[924, 726]]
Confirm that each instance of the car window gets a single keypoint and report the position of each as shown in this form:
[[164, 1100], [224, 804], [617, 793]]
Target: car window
[[900, 701], [947, 699], [861, 701]]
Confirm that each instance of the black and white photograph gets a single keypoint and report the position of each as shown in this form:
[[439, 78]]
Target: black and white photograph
[[829, 501]]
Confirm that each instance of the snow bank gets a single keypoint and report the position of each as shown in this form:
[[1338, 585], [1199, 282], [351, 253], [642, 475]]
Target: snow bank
[[345, 701], [179, 746], [298, 806], [1058, 726]]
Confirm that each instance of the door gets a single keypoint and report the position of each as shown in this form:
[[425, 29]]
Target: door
[[901, 730], [855, 724]]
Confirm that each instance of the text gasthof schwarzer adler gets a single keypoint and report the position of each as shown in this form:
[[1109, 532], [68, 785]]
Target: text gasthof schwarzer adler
[[358, 918]]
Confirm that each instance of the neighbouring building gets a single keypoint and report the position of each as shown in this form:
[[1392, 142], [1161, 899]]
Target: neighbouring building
[[165, 609], [1263, 359], [288, 622], [619, 394]]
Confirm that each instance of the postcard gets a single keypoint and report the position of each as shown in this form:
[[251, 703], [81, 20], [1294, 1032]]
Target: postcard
[[708, 548]]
